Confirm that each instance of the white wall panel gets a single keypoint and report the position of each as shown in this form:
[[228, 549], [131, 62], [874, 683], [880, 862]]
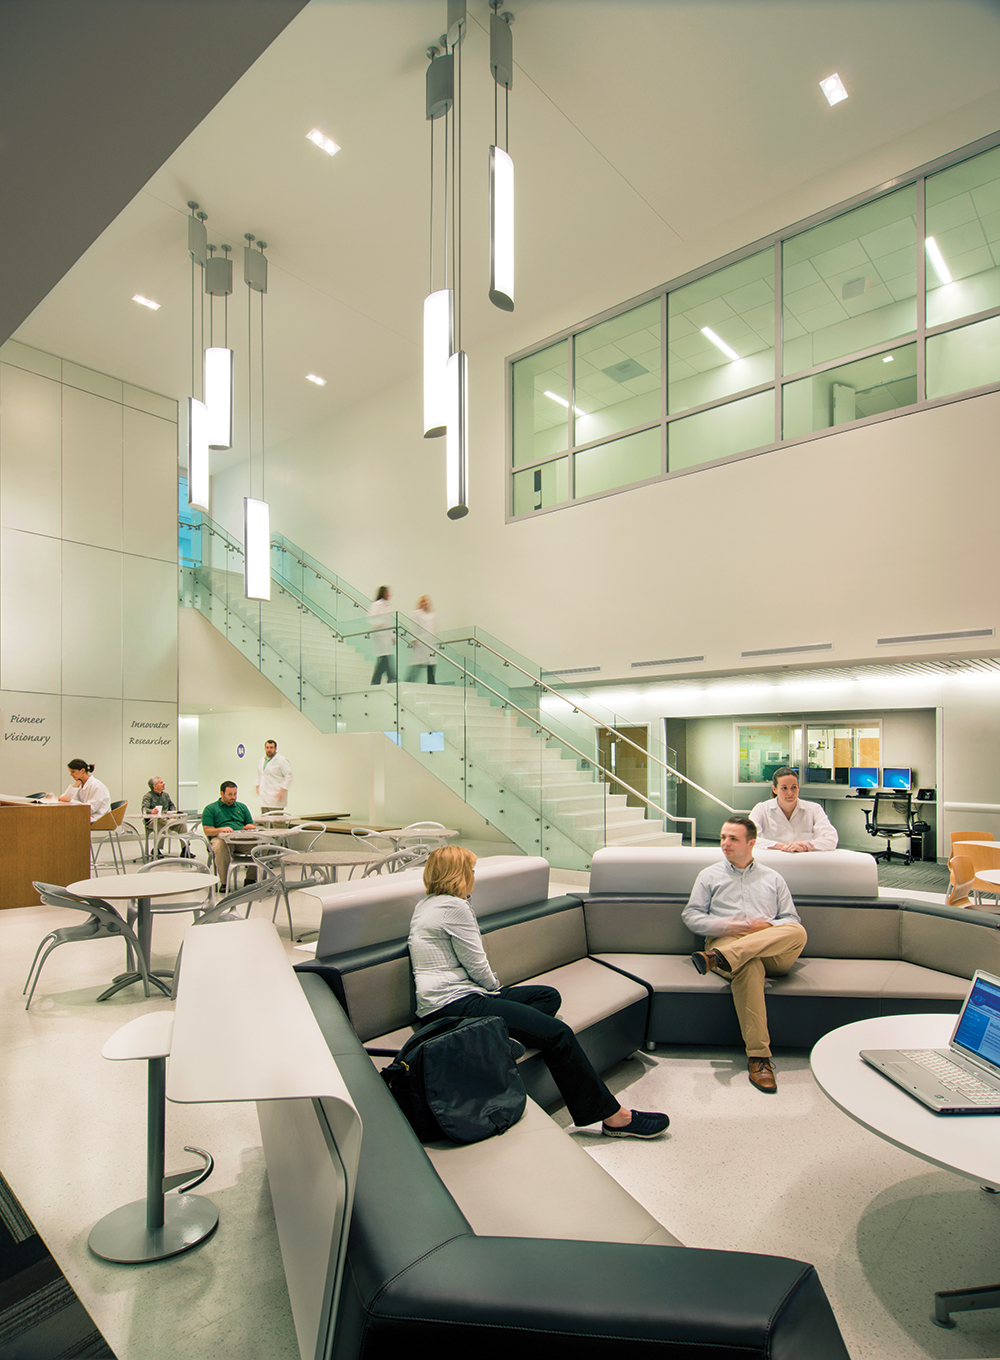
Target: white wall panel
[[92, 621], [92, 731], [30, 451], [149, 628], [149, 486], [30, 611], [149, 747], [30, 750], [92, 469]]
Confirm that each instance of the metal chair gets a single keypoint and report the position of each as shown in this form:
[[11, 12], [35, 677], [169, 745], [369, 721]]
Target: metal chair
[[890, 817], [269, 865], [201, 900], [103, 922], [398, 860], [110, 824]]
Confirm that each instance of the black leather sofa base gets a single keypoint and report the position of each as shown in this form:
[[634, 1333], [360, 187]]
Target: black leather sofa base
[[419, 1280]]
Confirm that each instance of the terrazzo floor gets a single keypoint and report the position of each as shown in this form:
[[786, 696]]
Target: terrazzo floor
[[787, 1174]]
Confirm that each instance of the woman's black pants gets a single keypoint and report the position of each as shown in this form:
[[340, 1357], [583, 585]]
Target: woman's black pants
[[529, 1013]]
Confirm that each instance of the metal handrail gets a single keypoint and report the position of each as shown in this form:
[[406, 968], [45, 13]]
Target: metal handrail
[[578, 708]]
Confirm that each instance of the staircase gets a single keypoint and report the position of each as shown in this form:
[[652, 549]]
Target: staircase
[[480, 729]]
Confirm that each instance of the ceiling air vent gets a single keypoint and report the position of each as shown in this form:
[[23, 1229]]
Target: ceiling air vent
[[668, 661], [625, 371], [786, 651], [957, 636], [573, 670]]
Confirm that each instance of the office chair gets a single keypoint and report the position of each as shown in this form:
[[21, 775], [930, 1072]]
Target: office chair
[[890, 817]]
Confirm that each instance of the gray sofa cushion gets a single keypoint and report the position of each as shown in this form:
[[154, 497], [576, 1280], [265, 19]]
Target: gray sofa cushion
[[851, 932], [950, 940], [536, 1181], [527, 947], [808, 977], [673, 869], [380, 908], [637, 927]]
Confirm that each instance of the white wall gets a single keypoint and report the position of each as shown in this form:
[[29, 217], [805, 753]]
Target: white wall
[[88, 577]]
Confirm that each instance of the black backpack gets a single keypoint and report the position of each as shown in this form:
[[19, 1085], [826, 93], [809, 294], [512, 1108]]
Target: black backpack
[[457, 1078]]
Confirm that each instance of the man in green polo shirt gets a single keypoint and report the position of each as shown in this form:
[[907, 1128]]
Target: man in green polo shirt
[[219, 820]]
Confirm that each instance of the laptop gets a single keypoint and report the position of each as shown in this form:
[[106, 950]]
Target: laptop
[[963, 1078]]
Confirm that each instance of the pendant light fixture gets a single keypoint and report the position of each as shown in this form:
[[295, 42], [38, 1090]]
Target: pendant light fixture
[[219, 367], [439, 304], [194, 430], [501, 165], [457, 440], [256, 514]]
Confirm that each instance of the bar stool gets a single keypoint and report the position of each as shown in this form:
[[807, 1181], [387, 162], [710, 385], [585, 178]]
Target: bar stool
[[158, 1226]]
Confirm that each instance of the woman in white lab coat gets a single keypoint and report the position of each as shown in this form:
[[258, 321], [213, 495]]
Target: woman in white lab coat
[[423, 655], [86, 789], [383, 637]]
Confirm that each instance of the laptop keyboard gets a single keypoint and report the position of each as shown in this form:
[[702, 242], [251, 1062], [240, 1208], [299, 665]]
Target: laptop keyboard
[[952, 1076]]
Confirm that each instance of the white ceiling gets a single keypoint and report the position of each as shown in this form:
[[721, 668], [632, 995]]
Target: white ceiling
[[636, 128]]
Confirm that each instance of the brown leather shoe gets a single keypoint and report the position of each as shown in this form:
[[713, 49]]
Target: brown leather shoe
[[710, 962], [762, 1075]]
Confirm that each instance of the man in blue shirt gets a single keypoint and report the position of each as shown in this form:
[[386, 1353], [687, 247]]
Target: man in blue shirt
[[751, 929], [219, 820]]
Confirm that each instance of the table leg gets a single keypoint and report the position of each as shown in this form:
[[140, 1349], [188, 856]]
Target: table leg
[[144, 932], [154, 1228]]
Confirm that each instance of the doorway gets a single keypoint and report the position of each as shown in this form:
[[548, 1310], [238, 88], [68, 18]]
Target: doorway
[[625, 761]]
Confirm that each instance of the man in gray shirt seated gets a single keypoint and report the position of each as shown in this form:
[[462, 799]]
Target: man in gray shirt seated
[[751, 929]]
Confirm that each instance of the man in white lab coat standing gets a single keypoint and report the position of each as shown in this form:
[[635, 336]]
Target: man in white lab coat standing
[[274, 778]]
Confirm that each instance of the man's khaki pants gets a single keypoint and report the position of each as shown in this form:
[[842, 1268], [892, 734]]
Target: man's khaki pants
[[752, 957]]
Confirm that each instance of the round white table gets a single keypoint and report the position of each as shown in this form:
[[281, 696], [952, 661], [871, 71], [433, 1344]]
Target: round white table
[[142, 888], [968, 1144]]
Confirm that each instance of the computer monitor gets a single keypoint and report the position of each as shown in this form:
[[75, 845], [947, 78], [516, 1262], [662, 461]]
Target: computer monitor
[[863, 777], [897, 777]]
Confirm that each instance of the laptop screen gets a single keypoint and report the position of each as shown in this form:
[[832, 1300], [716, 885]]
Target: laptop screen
[[978, 1028]]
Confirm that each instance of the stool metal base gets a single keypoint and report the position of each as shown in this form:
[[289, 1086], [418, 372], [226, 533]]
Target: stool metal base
[[122, 1235]]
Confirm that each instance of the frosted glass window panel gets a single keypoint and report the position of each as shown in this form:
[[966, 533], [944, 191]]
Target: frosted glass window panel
[[762, 749], [538, 488], [963, 217], [850, 283], [616, 371], [632, 459], [866, 387], [721, 431], [962, 359], [541, 403], [737, 305]]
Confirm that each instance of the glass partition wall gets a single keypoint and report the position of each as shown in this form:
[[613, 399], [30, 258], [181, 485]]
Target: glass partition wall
[[832, 750], [878, 308]]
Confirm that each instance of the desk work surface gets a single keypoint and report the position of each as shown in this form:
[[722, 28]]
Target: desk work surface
[[243, 1029], [968, 1144]]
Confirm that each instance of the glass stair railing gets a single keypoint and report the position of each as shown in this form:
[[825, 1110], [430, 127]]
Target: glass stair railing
[[517, 750]]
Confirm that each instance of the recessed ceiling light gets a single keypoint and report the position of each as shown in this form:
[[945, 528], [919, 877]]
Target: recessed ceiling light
[[315, 378], [727, 350], [888, 358], [324, 142], [833, 88], [563, 402], [146, 302], [937, 260]]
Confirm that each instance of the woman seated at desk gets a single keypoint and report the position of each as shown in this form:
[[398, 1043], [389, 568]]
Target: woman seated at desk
[[86, 789]]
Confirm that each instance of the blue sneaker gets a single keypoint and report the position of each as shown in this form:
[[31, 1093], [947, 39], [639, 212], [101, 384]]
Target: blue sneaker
[[645, 1124]]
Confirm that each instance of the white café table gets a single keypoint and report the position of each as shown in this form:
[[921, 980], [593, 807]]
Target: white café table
[[142, 888], [968, 1144]]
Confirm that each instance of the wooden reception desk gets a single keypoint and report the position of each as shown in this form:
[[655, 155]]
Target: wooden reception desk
[[43, 842]]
